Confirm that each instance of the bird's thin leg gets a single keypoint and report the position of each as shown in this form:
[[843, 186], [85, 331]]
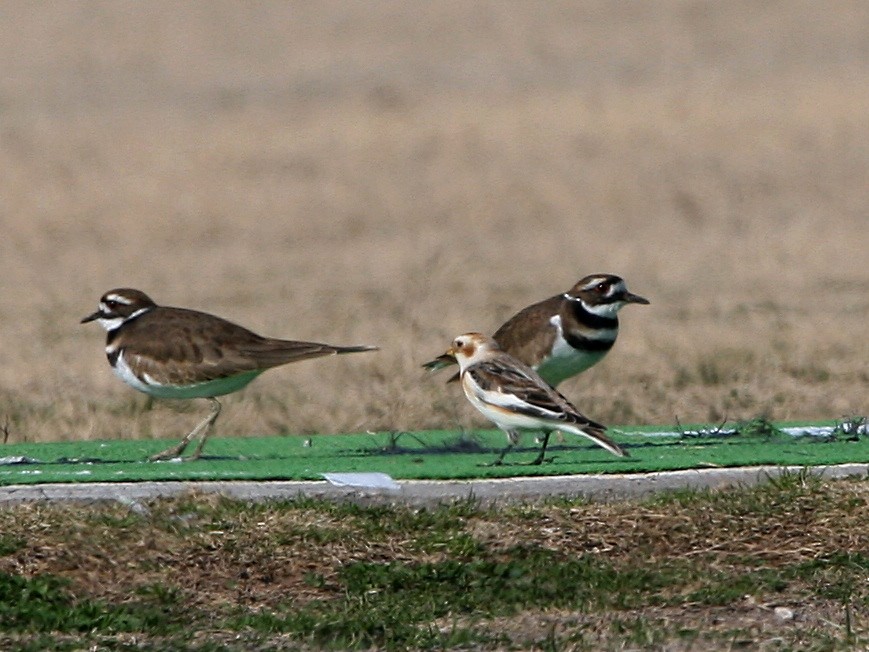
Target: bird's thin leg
[[512, 438], [206, 430], [542, 453], [203, 427]]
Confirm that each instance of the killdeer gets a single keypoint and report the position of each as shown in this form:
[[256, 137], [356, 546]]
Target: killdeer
[[515, 398], [564, 335], [179, 353]]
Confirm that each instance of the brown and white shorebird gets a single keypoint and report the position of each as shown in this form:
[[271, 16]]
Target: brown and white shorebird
[[516, 398], [564, 335], [178, 353]]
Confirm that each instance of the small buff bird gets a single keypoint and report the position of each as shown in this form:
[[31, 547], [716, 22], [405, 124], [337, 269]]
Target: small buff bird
[[515, 398]]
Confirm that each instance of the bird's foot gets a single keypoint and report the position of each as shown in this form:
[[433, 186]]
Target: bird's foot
[[540, 459], [172, 453]]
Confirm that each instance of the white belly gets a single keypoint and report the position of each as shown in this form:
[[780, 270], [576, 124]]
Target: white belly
[[565, 361], [207, 389]]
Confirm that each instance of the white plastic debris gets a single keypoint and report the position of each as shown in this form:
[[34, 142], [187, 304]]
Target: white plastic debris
[[362, 480], [17, 459], [827, 431], [134, 505]]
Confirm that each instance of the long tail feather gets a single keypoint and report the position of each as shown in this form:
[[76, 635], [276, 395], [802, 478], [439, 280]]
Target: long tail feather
[[595, 433]]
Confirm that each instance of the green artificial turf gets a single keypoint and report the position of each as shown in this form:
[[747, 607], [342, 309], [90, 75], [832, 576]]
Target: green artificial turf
[[430, 455]]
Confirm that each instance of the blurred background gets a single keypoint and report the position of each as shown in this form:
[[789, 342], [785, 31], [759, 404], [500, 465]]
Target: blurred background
[[396, 173]]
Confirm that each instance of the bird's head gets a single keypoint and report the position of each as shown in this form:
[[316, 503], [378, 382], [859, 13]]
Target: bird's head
[[119, 306], [603, 294], [470, 348]]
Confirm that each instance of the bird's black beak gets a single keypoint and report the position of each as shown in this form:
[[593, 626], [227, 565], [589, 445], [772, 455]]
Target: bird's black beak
[[627, 297], [92, 317]]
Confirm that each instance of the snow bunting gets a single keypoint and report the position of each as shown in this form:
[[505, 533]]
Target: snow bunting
[[513, 396]]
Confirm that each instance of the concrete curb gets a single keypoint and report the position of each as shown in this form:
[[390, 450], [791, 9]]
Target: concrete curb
[[428, 492]]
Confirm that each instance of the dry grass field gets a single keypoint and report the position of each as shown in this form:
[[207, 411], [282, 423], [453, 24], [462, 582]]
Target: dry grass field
[[781, 567], [396, 173]]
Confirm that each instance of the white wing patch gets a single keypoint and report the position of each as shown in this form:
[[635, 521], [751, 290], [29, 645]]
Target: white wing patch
[[503, 409]]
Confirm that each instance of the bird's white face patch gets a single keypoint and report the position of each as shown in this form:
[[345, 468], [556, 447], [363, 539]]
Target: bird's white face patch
[[110, 323], [468, 349], [605, 309]]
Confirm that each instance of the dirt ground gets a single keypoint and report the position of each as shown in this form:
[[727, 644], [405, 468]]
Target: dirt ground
[[397, 173]]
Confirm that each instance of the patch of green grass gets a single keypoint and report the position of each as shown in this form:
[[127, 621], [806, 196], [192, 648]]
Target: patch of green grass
[[437, 529], [841, 576], [39, 643], [393, 605], [10, 543], [639, 631], [758, 427], [720, 589], [46, 603], [43, 603]]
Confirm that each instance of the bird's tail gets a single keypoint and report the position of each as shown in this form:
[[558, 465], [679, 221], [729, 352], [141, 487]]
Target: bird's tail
[[271, 353], [442, 362], [354, 349], [595, 432]]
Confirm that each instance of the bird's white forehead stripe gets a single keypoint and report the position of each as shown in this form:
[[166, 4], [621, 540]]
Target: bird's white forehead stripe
[[595, 281]]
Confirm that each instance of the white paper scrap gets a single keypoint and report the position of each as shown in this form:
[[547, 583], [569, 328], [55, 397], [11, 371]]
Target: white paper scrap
[[362, 480], [17, 459]]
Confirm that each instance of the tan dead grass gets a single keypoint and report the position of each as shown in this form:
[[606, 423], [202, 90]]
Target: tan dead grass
[[264, 554], [377, 175]]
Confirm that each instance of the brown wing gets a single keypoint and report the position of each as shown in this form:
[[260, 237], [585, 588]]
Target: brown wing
[[528, 335], [191, 345], [537, 398]]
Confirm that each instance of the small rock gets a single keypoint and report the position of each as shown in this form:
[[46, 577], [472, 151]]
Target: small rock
[[783, 613]]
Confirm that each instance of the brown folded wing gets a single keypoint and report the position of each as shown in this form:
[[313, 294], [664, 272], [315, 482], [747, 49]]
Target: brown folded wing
[[539, 399], [194, 347], [528, 335]]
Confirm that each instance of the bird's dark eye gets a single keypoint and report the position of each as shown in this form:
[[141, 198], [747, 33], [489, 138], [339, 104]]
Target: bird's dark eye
[[111, 303], [600, 287]]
